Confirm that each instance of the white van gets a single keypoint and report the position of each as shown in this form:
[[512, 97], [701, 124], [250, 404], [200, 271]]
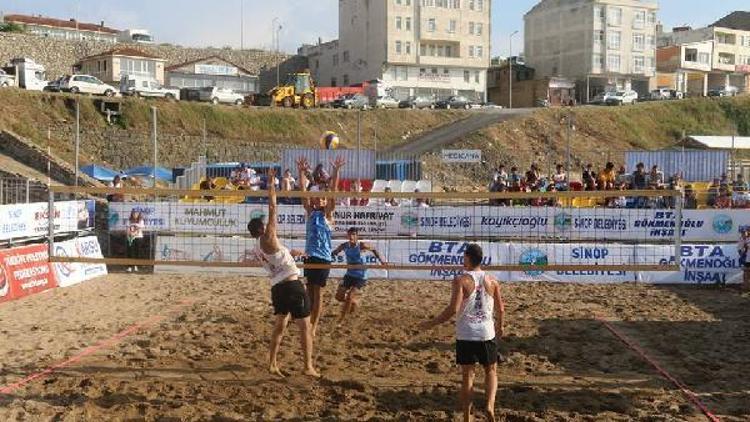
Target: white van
[[146, 87], [217, 95]]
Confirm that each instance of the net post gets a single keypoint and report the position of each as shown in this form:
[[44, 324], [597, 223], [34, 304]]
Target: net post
[[679, 204], [51, 223]]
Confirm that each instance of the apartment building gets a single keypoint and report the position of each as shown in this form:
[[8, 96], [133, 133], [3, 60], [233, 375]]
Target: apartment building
[[601, 44], [63, 29], [416, 47], [699, 60]]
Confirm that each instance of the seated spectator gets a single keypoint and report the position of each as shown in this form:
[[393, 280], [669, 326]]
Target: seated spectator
[[740, 185], [532, 176], [252, 180], [420, 202], [724, 200], [619, 201], [640, 178], [514, 176], [208, 184], [389, 200], [656, 178], [724, 181], [691, 199], [560, 178], [288, 183], [740, 193], [500, 174], [607, 177], [589, 178], [713, 192], [117, 184], [622, 177], [553, 202], [357, 202]]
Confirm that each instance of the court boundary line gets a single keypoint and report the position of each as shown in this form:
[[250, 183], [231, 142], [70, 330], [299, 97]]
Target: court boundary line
[[632, 345], [101, 345]]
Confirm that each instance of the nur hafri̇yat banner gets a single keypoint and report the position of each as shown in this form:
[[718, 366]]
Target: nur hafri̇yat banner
[[25, 271]]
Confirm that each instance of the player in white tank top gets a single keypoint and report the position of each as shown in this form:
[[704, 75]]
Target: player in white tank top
[[476, 319], [288, 294], [475, 299]]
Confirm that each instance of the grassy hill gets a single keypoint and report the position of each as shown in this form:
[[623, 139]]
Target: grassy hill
[[601, 133]]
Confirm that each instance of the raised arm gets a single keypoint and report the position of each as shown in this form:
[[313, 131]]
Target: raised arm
[[303, 166], [270, 237], [331, 202], [450, 310]]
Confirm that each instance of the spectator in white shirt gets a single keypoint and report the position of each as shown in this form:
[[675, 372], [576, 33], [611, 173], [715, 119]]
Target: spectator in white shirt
[[420, 202], [560, 178], [390, 201]]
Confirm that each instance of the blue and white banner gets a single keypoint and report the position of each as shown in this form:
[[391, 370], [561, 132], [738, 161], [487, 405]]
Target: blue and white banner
[[18, 221], [700, 263], [69, 273], [542, 223]]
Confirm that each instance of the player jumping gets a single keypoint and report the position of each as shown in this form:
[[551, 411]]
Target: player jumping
[[318, 240], [287, 291], [475, 298], [355, 279]]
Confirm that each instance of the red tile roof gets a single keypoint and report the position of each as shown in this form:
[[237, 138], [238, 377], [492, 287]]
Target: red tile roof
[[58, 23]]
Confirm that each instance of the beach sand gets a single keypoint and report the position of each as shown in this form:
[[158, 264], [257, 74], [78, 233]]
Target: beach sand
[[198, 351]]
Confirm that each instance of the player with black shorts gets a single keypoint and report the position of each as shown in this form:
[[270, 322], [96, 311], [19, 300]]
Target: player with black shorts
[[319, 231], [355, 279], [288, 294], [475, 298]]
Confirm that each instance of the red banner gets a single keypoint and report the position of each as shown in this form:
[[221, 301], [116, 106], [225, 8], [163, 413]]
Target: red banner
[[25, 271]]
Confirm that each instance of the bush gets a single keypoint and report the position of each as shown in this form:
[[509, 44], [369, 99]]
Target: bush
[[11, 27]]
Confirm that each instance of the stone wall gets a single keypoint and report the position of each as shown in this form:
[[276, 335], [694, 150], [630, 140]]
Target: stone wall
[[58, 56]]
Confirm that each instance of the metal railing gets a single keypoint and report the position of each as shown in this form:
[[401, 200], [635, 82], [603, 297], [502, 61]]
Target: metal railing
[[18, 190]]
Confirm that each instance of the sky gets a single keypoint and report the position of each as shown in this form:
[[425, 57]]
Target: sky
[[218, 23]]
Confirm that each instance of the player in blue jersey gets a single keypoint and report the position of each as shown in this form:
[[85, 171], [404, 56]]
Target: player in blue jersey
[[355, 279], [319, 231]]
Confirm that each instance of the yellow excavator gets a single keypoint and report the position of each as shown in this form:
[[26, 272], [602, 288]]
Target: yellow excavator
[[298, 91]]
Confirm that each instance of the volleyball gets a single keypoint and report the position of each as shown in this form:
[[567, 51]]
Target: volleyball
[[329, 140]]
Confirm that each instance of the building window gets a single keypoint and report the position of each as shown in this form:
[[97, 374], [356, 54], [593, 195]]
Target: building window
[[651, 42], [615, 16], [476, 76], [346, 80], [335, 60], [446, 72], [639, 42], [452, 26], [398, 47], [613, 40], [726, 58], [398, 1], [598, 39], [639, 21], [422, 50], [346, 57], [433, 50], [431, 25], [613, 62], [471, 28], [441, 51], [479, 29], [408, 2], [598, 13], [472, 6], [422, 71], [704, 58], [471, 51], [651, 18], [398, 23], [467, 76], [333, 82], [448, 51], [691, 55], [638, 63], [480, 5], [745, 40], [479, 51], [408, 48], [407, 21], [724, 38], [597, 62], [651, 65]]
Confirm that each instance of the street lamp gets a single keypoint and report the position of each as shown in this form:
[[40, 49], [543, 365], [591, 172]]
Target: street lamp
[[510, 71], [276, 30], [242, 25]]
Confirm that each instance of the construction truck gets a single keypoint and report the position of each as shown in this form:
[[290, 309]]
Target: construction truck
[[298, 91]]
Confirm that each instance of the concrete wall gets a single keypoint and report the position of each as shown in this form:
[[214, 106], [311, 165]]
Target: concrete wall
[[58, 56]]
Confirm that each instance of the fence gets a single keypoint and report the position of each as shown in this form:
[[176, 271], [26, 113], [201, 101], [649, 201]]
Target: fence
[[17, 190]]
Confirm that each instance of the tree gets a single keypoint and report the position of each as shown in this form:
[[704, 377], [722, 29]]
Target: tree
[[11, 27]]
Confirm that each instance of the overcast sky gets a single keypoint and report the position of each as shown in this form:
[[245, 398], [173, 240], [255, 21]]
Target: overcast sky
[[217, 23]]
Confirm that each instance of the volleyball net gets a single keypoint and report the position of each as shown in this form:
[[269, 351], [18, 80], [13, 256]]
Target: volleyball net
[[579, 234]]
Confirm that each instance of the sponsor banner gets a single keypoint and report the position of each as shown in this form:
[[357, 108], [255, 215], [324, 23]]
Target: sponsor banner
[[700, 263], [439, 253], [69, 273], [155, 215], [462, 156], [234, 249], [25, 271], [536, 257], [19, 221]]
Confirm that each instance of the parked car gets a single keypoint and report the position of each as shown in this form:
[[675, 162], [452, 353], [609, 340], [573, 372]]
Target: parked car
[[602, 97], [86, 84], [491, 105], [386, 102], [666, 94], [55, 86], [216, 95], [415, 102], [147, 87], [455, 101], [724, 91], [352, 101], [6, 80], [622, 98]]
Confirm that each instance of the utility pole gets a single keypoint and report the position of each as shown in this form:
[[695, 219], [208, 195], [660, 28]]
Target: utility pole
[[156, 144], [242, 24], [78, 138], [276, 33], [510, 71]]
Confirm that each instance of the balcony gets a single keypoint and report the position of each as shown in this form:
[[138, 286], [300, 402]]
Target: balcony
[[482, 62]]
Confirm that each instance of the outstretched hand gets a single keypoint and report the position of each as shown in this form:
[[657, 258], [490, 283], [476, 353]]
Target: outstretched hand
[[338, 163], [271, 173], [302, 164]]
